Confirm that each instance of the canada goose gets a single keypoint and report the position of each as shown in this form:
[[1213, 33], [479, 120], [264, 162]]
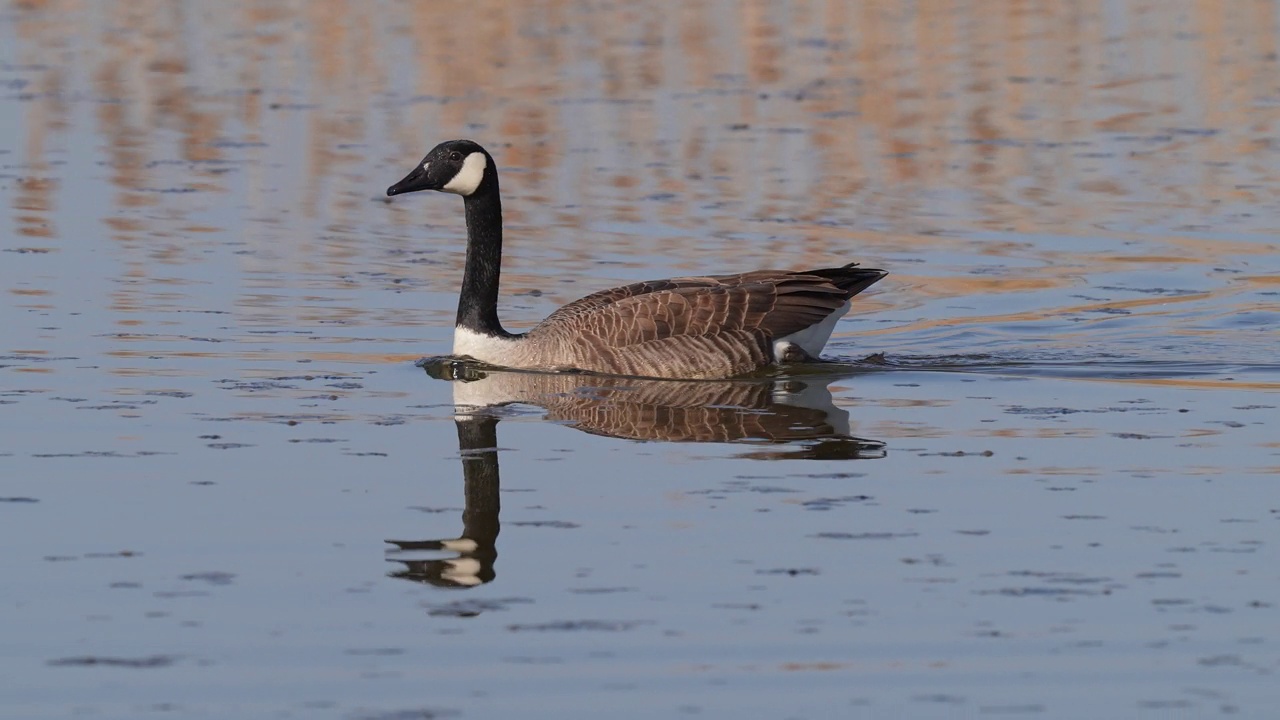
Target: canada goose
[[691, 327]]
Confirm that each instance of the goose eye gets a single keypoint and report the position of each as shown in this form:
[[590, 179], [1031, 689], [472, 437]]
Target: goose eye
[[455, 156]]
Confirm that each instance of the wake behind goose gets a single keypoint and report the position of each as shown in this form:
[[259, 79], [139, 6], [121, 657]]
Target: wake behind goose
[[717, 326]]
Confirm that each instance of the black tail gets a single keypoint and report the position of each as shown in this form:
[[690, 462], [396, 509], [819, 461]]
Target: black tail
[[850, 278]]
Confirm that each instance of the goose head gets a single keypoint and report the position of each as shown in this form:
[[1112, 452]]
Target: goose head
[[460, 167]]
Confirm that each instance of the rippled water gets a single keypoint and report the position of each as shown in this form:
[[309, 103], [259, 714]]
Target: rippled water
[[1036, 478]]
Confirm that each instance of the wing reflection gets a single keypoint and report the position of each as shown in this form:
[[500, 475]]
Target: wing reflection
[[789, 419]]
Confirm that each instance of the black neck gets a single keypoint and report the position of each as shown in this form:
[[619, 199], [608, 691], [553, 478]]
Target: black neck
[[478, 301], [478, 443]]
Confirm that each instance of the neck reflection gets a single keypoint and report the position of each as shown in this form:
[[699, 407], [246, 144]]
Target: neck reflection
[[476, 549]]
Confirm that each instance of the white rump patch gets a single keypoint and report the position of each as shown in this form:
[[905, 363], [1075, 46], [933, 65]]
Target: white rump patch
[[811, 339], [469, 177]]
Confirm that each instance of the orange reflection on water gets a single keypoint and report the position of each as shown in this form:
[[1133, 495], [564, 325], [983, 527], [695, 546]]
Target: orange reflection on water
[[711, 136]]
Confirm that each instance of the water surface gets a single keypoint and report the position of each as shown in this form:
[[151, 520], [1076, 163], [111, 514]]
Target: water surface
[[1036, 479]]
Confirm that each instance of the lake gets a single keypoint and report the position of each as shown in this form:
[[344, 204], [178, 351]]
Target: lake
[[1036, 478]]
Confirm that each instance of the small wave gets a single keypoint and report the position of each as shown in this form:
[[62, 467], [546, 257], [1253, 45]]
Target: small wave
[[1256, 375]]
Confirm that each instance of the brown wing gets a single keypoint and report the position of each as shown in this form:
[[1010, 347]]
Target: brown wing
[[603, 298], [768, 302]]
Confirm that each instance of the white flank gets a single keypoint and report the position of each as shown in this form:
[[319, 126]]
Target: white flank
[[485, 348], [811, 339], [469, 177]]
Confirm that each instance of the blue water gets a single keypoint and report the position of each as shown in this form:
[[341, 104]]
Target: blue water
[[1036, 479]]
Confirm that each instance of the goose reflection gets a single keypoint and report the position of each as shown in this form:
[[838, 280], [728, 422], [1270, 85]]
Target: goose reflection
[[786, 418]]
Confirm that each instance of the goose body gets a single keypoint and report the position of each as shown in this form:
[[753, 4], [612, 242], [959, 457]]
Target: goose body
[[715, 326]]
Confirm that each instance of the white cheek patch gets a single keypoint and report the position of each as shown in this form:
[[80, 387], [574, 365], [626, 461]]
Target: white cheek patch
[[425, 165], [469, 177]]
